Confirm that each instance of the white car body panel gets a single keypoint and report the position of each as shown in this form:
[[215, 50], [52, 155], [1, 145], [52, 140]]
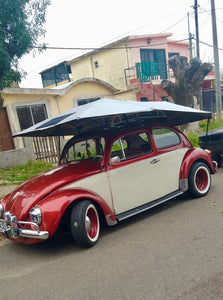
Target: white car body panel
[[141, 182], [97, 184]]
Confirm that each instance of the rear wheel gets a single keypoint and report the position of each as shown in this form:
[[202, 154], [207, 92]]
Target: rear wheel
[[85, 225], [199, 180]]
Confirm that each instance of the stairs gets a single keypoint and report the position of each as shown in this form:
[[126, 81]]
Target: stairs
[[147, 91]]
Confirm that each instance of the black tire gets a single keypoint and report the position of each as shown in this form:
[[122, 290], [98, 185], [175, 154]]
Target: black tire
[[85, 224], [199, 180]]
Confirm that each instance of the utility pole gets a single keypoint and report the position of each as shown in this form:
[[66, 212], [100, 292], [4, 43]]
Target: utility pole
[[190, 37], [196, 29], [200, 98], [216, 61]]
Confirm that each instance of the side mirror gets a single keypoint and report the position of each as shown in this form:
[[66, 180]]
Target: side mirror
[[115, 160]]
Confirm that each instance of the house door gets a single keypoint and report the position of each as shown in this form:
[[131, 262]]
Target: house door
[[6, 140], [156, 56]]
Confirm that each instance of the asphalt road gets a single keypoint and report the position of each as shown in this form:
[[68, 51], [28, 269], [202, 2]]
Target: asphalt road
[[171, 252]]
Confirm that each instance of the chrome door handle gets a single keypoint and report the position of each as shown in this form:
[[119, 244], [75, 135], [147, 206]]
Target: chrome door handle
[[155, 160]]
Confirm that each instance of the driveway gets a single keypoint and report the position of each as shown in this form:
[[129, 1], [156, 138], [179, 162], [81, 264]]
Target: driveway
[[171, 252]]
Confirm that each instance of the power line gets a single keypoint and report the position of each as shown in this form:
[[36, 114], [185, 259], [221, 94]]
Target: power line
[[108, 48], [210, 45], [174, 24]]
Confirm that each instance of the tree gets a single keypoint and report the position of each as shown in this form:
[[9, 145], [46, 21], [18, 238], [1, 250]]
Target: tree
[[189, 78], [21, 24]]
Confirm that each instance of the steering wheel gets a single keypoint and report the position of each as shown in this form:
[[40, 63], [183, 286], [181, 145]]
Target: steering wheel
[[98, 158]]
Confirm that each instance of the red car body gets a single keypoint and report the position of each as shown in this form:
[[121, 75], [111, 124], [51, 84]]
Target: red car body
[[90, 187]]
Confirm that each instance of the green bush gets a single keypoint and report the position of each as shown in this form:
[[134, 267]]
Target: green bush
[[193, 138], [213, 124]]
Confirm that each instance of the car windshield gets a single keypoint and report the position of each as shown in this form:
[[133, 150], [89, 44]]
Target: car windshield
[[86, 149]]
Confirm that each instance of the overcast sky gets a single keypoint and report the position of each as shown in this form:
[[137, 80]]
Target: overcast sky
[[94, 23]]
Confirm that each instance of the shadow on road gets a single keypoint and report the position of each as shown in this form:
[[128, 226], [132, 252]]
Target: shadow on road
[[63, 244]]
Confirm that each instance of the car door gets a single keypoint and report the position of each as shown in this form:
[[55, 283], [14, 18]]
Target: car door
[[146, 176]]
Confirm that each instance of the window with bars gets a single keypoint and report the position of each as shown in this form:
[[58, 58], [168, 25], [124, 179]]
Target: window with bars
[[31, 115]]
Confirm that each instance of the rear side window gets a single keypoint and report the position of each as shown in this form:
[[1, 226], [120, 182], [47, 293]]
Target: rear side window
[[165, 137]]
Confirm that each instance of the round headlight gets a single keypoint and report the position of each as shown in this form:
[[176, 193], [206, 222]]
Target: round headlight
[[36, 215]]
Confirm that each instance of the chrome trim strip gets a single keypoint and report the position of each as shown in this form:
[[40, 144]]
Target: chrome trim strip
[[147, 206]]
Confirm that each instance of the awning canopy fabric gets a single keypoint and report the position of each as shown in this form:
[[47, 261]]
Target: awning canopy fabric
[[108, 113]]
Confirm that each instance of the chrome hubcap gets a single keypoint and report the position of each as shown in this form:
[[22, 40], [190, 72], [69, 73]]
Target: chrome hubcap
[[87, 223]]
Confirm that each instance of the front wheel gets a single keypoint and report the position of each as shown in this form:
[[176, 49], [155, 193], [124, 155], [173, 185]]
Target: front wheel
[[85, 225], [199, 180]]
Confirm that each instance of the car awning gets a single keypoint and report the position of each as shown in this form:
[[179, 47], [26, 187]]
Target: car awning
[[104, 114]]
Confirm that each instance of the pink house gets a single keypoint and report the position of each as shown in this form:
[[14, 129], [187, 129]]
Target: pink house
[[150, 64]]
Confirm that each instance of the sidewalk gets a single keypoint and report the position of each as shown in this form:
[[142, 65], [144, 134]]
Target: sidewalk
[[6, 189]]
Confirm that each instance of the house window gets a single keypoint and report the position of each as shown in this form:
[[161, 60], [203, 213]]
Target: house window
[[31, 115], [171, 54], [144, 99], [96, 65], [86, 101], [48, 78], [155, 59], [56, 75]]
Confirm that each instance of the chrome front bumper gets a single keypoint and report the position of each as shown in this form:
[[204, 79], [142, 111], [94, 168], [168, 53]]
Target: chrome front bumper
[[12, 228]]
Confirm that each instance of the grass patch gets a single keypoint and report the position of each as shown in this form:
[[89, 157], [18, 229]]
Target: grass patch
[[21, 173], [214, 123]]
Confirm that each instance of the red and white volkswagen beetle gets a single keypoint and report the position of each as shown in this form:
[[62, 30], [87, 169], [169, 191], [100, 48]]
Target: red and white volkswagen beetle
[[106, 174]]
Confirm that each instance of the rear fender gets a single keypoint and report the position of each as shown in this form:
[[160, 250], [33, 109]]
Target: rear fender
[[54, 206], [195, 154]]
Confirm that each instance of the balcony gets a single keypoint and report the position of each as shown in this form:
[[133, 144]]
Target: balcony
[[146, 77], [147, 72]]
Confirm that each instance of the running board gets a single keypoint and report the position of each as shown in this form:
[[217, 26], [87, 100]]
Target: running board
[[147, 206]]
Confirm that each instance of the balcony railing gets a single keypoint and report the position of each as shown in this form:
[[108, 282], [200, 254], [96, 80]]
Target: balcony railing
[[147, 71]]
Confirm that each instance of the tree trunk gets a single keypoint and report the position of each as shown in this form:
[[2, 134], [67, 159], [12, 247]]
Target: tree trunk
[[189, 78]]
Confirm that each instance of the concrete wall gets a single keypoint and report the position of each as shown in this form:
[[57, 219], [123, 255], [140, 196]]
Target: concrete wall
[[107, 65], [13, 158]]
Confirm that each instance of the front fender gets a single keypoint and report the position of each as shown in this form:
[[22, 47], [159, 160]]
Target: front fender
[[195, 154], [54, 206]]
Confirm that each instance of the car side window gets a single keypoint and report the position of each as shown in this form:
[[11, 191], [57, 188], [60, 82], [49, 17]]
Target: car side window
[[165, 137], [131, 146]]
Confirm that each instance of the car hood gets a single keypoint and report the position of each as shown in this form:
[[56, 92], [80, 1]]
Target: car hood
[[28, 194]]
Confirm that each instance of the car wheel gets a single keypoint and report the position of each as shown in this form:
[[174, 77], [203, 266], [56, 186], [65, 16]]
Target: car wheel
[[199, 180], [85, 224]]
